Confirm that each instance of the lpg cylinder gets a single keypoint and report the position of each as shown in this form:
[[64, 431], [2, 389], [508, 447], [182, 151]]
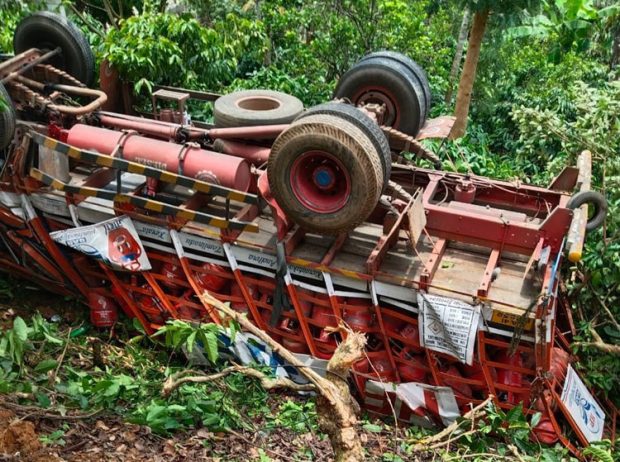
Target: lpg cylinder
[[559, 363], [235, 291], [151, 306], [292, 325], [103, 310], [357, 314], [184, 310], [189, 160], [412, 334], [510, 377], [459, 387], [544, 432], [172, 274], [414, 371], [209, 281]]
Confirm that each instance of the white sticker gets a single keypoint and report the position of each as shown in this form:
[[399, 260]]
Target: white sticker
[[53, 205], [448, 326], [115, 242], [190, 241], [149, 231], [585, 411]]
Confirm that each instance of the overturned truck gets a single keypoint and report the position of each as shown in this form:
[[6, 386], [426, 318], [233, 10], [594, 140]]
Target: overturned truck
[[302, 219]]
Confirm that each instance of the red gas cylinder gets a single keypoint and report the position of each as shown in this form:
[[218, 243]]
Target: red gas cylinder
[[544, 432], [415, 371], [357, 314], [173, 274], [296, 346], [189, 160], [103, 311], [392, 325], [379, 366], [412, 334], [209, 281], [292, 325], [475, 372], [151, 306], [559, 363], [235, 291], [510, 377], [459, 387], [184, 310]]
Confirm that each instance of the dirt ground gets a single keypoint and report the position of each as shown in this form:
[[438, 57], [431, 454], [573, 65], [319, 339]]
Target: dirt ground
[[107, 438]]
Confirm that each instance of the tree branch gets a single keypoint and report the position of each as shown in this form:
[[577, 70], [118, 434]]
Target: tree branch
[[268, 383]]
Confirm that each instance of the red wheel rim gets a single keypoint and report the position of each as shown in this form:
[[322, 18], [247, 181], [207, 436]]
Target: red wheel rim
[[377, 95], [320, 182]]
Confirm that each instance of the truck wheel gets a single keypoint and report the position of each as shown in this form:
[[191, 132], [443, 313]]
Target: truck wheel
[[414, 67], [594, 199], [325, 173], [47, 31], [363, 122], [255, 107], [7, 118], [387, 82]]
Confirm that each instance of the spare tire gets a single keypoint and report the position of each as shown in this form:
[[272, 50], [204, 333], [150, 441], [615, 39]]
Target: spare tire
[[7, 118], [390, 83], [364, 123], [414, 67], [325, 173], [48, 31], [596, 200], [250, 108]]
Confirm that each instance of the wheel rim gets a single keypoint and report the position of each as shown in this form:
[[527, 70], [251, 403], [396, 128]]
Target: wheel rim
[[320, 182], [377, 95]]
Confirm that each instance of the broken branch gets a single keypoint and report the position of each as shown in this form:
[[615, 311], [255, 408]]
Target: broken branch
[[268, 383]]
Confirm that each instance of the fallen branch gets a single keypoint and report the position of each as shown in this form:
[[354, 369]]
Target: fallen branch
[[336, 407], [438, 440], [268, 383], [35, 411]]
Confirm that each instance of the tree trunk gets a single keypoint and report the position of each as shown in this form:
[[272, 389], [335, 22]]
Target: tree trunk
[[466, 84], [615, 49], [458, 55]]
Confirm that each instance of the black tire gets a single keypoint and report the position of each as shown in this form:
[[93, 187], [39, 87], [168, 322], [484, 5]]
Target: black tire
[[594, 199], [385, 80], [250, 108], [7, 118], [414, 67], [354, 151], [47, 31], [364, 123]]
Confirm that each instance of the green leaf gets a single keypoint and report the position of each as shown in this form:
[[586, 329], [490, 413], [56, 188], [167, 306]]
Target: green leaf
[[372, 428], [46, 365], [20, 328], [190, 342]]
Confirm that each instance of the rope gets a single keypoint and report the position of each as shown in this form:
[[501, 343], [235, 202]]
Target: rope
[[413, 145]]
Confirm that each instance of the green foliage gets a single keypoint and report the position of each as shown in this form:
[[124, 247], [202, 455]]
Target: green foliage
[[299, 417], [159, 48], [180, 334], [38, 360]]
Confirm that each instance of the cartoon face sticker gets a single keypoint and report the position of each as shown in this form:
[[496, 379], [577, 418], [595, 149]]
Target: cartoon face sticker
[[123, 249]]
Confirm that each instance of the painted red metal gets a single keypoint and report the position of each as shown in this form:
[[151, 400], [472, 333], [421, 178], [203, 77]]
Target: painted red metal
[[188, 160], [256, 155], [320, 182]]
